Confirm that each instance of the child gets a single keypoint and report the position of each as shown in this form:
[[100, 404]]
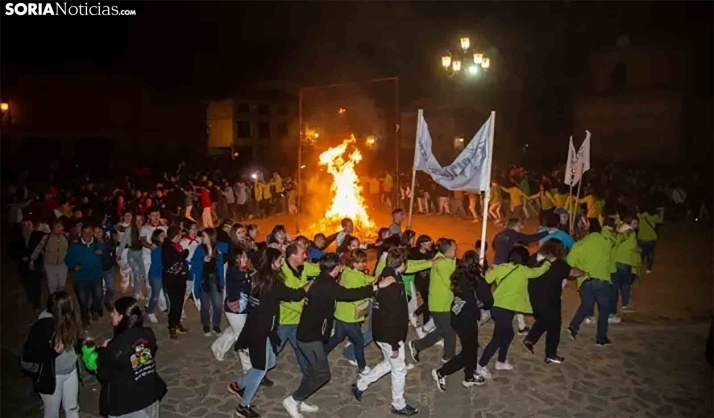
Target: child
[[155, 270], [391, 320]]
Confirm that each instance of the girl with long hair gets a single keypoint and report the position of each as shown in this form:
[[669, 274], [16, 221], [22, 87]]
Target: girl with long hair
[[155, 273], [53, 342], [259, 335], [208, 280], [174, 277], [471, 294], [135, 256], [126, 366]]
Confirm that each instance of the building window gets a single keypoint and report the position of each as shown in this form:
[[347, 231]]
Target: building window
[[243, 129], [264, 109], [243, 108], [263, 130], [282, 110], [281, 130]]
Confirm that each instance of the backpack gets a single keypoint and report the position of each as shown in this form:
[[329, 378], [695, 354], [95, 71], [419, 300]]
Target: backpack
[[30, 368]]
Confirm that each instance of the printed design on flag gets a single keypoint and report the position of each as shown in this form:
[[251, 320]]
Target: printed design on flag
[[467, 172]]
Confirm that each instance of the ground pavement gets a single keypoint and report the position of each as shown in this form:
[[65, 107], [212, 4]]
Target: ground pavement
[[655, 367]]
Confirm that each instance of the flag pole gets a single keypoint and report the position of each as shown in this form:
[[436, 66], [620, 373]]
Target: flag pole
[[575, 202], [487, 198], [416, 149], [570, 204]]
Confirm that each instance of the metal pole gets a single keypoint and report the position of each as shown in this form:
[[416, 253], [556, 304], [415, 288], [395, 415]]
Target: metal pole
[[416, 147], [487, 198], [299, 165], [396, 134]]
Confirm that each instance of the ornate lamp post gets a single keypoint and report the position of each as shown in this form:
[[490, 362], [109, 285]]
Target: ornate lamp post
[[468, 59]]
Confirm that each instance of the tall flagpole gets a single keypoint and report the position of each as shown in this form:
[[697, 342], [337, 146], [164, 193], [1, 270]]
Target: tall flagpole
[[575, 202], [570, 205], [487, 198], [416, 149]]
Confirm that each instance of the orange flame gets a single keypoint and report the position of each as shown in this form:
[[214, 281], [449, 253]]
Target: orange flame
[[347, 200]]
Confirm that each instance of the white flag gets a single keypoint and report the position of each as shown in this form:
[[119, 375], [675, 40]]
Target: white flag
[[468, 172], [578, 163]]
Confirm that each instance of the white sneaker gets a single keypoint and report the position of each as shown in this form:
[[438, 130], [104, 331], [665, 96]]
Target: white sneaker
[[589, 320], [504, 366], [483, 372], [410, 366], [153, 319], [292, 406], [440, 343], [365, 371], [353, 363], [413, 320], [420, 332], [310, 409], [614, 319]]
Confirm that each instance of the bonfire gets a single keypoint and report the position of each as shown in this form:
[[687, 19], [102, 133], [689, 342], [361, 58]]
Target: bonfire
[[346, 191]]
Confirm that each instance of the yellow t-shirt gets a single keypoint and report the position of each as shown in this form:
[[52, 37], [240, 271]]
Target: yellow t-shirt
[[388, 183]]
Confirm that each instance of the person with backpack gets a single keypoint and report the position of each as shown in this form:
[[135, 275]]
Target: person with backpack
[[238, 285], [50, 356], [471, 294], [126, 366]]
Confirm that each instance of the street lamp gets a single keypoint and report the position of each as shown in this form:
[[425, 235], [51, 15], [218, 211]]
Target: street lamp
[[472, 60], [4, 106]]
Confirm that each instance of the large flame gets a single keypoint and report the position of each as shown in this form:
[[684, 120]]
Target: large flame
[[347, 201]]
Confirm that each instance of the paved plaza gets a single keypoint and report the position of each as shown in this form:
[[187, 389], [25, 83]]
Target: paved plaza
[[655, 366]]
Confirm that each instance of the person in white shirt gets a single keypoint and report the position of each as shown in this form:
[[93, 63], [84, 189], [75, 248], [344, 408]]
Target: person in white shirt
[[145, 234], [190, 242]]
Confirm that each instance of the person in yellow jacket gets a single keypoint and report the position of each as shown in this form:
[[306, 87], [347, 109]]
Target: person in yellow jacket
[[389, 196], [547, 203], [626, 255], [280, 200], [516, 196], [267, 201], [296, 272], [593, 255], [511, 296], [594, 204], [647, 235], [440, 298], [349, 316]]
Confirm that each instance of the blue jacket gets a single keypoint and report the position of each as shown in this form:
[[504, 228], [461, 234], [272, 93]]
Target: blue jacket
[[315, 254], [156, 267], [560, 235], [108, 254], [81, 254], [196, 264]]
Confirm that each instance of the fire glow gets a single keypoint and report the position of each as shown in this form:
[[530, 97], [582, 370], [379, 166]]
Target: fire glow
[[347, 201]]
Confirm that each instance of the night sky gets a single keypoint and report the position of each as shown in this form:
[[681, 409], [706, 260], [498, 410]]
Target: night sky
[[195, 51]]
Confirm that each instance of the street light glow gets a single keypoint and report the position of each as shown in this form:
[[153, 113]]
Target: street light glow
[[456, 65], [465, 43], [473, 70], [4, 106], [446, 61], [370, 140]]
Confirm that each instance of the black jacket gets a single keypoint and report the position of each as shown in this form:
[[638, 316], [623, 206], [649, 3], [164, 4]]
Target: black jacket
[[127, 370], [40, 348], [175, 266], [545, 291], [468, 300], [19, 248], [319, 310], [390, 313], [263, 319]]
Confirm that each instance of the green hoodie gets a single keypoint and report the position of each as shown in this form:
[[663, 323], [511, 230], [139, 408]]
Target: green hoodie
[[440, 294], [512, 285], [351, 279], [626, 250], [290, 311], [647, 224], [593, 255]]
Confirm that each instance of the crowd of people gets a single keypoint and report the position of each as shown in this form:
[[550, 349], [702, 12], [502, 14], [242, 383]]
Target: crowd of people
[[298, 290]]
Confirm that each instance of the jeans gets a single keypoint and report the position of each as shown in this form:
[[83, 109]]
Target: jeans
[[251, 380], [211, 296], [137, 268], [66, 393], [109, 288], [442, 321], [228, 338], [397, 366], [647, 249], [547, 319], [621, 283], [56, 277], [156, 285], [85, 291], [289, 333], [151, 411], [468, 356], [502, 336], [353, 331], [594, 291], [318, 369], [421, 282], [349, 352]]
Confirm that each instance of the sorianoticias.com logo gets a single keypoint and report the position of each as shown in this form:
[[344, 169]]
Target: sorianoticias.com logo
[[64, 9]]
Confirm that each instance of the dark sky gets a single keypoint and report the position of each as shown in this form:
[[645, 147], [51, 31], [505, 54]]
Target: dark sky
[[199, 49]]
